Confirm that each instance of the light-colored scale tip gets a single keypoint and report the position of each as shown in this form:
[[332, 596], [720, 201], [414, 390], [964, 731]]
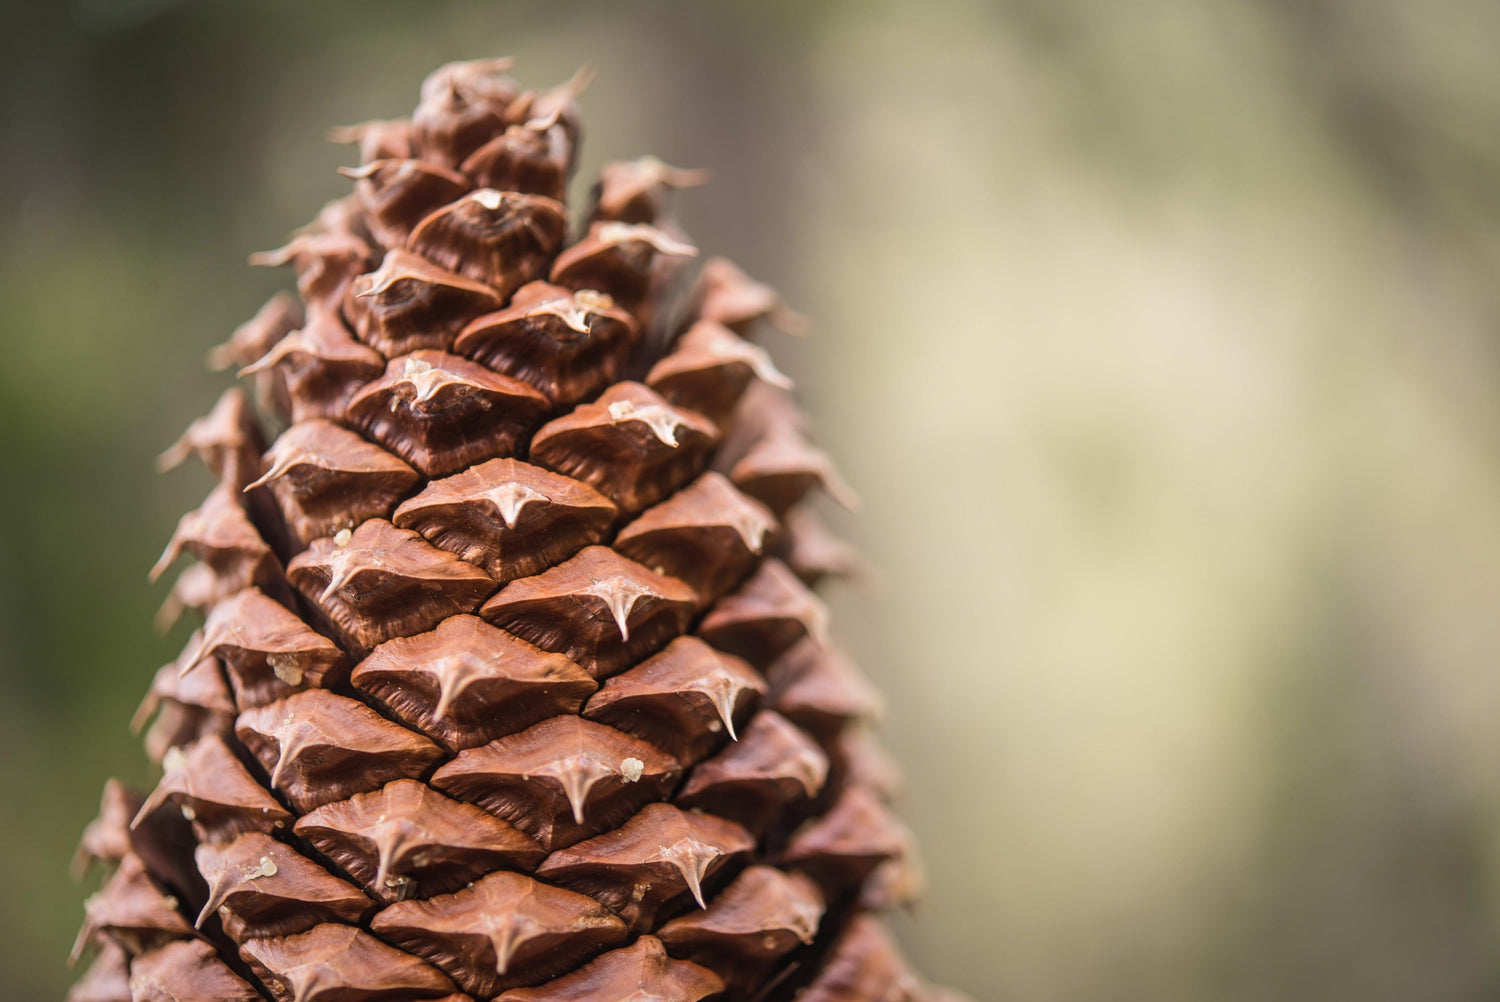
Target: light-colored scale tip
[[722, 693], [454, 674], [168, 557], [343, 565], [577, 776], [509, 499], [581, 80], [391, 839], [175, 455], [663, 421], [691, 859], [619, 595], [503, 940], [276, 471]]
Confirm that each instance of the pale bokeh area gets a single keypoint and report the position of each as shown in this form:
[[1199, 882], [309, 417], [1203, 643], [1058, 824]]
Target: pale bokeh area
[[1161, 339]]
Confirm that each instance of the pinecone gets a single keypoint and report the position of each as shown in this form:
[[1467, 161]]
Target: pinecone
[[511, 682]]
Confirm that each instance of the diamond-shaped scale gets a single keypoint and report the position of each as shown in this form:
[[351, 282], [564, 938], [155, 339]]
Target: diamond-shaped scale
[[320, 365], [509, 517], [407, 840], [215, 792], [397, 193], [561, 781], [106, 839], [623, 260], [502, 931], [772, 766], [220, 534], [186, 969], [381, 582], [640, 972], [160, 836], [601, 610], [340, 963], [684, 700], [442, 413], [326, 478], [132, 911], [635, 191], [707, 535], [765, 616], [758, 919], [318, 747], [660, 858], [107, 978], [269, 651], [463, 105], [501, 238], [631, 445], [409, 303], [277, 317], [326, 258], [534, 156], [864, 963], [467, 682], [726, 295], [262, 887], [783, 467], [188, 701], [843, 846], [567, 344], [819, 689], [227, 439], [811, 550], [709, 368]]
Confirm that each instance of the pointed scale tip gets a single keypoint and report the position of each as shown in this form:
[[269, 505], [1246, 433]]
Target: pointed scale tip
[[275, 471], [387, 847], [167, 559], [167, 615], [580, 81], [218, 893], [620, 595], [504, 943], [145, 711], [680, 177], [219, 357], [174, 456], [510, 498], [723, 703], [692, 860], [156, 799], [273, 258], [449, 688], [80, 944], [199, 653], [577, 777], [789, 321]]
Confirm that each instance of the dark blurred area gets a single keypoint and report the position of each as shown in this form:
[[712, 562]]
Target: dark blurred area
[[1160, 339]]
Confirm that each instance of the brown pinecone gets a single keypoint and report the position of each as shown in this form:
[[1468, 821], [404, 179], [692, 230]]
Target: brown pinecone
[[511, 682]]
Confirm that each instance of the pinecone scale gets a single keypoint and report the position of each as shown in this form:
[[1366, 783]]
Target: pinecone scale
[[511, 682]]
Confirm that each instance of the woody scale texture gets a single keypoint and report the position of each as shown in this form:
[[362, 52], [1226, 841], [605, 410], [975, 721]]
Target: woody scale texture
[[510, 680]]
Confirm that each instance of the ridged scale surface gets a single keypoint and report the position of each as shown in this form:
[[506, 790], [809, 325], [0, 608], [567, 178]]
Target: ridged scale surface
[[511, 682]]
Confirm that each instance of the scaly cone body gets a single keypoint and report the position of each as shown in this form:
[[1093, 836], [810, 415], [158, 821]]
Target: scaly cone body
[[510, 680]]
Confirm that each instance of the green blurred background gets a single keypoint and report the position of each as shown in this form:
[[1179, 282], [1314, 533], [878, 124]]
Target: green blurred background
[[1160, 338]]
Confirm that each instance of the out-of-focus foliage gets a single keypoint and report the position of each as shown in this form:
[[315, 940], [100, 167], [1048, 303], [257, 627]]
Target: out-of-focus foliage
[[1160, 337]]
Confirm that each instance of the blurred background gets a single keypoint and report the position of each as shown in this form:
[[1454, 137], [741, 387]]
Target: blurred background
[[1160, 338]]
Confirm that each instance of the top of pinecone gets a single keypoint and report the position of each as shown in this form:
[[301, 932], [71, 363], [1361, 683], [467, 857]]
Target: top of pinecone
[[511, 682]]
